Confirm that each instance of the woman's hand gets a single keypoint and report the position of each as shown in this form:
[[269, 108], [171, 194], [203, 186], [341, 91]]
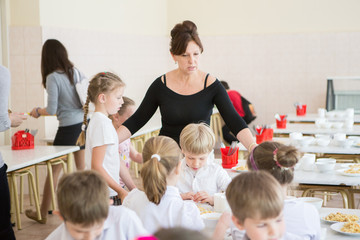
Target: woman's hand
[[16, 119], [35, 112], [187, 196], [204, 197]]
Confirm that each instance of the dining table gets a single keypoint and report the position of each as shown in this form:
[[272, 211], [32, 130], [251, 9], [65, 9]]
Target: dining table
[[21, 161], [330, 234], [311, 117], [312, 129]]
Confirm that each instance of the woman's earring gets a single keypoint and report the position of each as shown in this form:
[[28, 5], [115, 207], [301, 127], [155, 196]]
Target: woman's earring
[[175, 62]]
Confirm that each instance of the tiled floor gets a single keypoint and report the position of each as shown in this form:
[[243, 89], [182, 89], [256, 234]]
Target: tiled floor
[[35, 231]]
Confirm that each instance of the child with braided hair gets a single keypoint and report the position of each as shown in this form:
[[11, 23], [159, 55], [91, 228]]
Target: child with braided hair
[[101, 153], [301, 218]]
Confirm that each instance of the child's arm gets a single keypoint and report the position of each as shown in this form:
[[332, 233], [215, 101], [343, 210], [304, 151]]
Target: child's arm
[[97, 159], [204, 197], [125, 176], [221, 227], [135, 155]]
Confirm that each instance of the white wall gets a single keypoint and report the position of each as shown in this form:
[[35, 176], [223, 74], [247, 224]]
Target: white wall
[[234, 17], [133, 17]]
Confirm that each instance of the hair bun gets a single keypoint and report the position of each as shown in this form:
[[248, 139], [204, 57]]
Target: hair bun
[[184, 27]]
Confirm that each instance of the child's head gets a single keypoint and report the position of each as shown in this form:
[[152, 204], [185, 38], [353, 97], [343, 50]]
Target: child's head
[[196, 142], [83, 199], [107, 89], [179, 233], [162, 157], [257, 201], [127, 109], [276, 158]]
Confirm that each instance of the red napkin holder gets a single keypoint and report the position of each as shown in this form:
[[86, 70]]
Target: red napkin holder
[[282, 122], [229, 161], [22, 140], [266, 135], [301, 111]]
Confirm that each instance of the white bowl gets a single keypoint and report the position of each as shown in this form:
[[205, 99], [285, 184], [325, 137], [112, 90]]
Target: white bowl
[[337, 125], [317, 202], [211, 219], [356, 139], [326, 125], [330, 114], [325, 166], [322, 141], [306, 141], [345, 143], [322, 136], [340, 114], [327, 160]]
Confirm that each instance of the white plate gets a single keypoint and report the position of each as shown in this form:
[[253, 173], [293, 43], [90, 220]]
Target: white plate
[[337, 226], [238, 170], [341, 171], [323, 216]]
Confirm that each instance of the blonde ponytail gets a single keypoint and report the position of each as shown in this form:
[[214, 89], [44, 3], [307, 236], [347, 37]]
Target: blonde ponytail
[[81, 140], [155, 175], [161, 156]]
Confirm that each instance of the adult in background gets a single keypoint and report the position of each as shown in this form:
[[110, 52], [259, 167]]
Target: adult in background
[[6, 121], [186, 94], [59, 77], [242, 106]]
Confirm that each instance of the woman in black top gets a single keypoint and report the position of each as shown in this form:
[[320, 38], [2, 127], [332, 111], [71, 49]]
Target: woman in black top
[[186, 94]]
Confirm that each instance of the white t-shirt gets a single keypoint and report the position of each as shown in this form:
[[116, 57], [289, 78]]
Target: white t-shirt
[[302, 219], [101, 132], [121, 223], [211, 178], [172, 211]]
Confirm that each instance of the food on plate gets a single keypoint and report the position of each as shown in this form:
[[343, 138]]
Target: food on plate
[[203, 210], [241, 168], [355, 168], [341, 217], [351, 227]]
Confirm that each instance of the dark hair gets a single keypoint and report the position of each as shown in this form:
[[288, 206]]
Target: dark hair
[[265, 159], [54, 57], [179, 233], [225, 84], [181, 35]]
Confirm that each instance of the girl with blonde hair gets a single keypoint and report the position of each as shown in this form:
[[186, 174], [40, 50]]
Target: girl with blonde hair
[[161, 205], [101, 154]]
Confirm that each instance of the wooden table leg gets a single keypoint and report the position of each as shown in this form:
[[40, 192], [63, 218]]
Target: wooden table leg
[[16, 199]]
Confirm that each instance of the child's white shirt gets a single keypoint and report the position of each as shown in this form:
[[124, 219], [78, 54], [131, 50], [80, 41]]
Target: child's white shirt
[[102, 132], [302, 219], [172, 211], [121, 223], [211, 178], [136, 200]]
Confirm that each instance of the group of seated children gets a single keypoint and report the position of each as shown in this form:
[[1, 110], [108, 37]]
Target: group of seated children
[[172, 183]]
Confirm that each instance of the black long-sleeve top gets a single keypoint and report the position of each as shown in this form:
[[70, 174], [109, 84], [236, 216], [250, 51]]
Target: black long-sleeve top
[[177, 110]]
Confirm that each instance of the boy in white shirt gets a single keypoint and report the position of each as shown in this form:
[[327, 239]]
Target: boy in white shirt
[[84, 207], [257, 201], [200, 178]]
